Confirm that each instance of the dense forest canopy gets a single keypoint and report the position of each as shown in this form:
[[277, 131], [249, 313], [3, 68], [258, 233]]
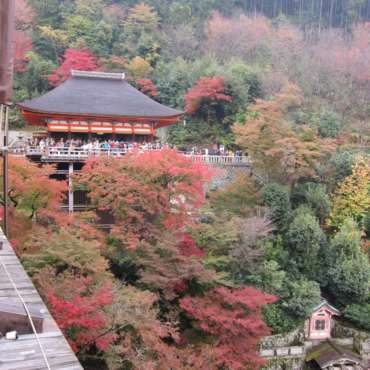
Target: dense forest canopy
[[187, 279], [255, 47]]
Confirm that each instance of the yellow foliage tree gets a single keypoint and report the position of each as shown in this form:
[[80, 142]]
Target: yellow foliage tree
[[141, 18], [352, 198], [139, 68]]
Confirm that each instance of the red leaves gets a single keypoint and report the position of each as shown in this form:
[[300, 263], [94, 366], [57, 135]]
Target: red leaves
[[207, 89], [79, 59], [188, 247], [147, 87], [233, 317], [77, 306], [147, 193]]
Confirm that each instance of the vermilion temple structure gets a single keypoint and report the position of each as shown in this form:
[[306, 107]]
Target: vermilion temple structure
[[92, 113], [96, 103]]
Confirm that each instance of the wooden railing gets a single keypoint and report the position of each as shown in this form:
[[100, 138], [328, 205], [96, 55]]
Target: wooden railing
[[219, 160], [65, 153]]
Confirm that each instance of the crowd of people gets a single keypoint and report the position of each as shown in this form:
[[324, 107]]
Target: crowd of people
[[218, 150], [93, 145], [118, 146]]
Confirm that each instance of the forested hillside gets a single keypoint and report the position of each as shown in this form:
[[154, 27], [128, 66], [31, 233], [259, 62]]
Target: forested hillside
[[173, 45], [188, 280]]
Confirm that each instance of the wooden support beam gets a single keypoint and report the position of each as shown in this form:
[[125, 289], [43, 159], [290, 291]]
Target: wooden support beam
[[70, 188]]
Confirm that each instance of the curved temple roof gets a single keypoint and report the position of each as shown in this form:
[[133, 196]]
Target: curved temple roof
[[98, 94]]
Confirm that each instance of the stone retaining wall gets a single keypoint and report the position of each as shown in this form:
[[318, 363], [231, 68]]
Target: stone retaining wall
[[294, 351], [293, 338]]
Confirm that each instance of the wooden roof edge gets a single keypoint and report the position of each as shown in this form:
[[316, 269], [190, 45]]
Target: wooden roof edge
[[328, 353]]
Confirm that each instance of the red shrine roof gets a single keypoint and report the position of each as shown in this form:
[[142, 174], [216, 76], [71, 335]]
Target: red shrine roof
[[99, 94]]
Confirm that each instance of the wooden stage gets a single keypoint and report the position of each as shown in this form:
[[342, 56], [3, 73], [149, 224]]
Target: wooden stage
[[25, 353]]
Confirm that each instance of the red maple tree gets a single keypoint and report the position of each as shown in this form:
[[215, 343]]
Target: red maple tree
[[189, 248], [79, 59], [77, 305], [147, 87], [206, 90], [146, 193], [233, 318]]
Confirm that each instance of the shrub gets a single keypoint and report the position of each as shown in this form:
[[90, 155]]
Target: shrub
[[359, 315], [329, 124]]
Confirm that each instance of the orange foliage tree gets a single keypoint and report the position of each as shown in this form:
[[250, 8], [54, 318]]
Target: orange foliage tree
[[276, 150], [31, 190]]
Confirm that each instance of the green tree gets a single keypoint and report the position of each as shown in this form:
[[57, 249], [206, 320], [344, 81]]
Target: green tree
[[34, 80], [297, 299], [314, 196], [359, 314], [304, 240], [348, 268], [276, 197]]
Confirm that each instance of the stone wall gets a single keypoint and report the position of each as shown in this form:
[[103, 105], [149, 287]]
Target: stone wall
[[227, 174], [293, 338], [284, 364]]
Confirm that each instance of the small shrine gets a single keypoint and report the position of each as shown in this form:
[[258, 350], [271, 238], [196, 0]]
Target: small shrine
[[320, 324], [317, 346]]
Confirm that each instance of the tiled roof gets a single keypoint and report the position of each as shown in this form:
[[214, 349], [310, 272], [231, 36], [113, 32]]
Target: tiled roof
[[99, 94]]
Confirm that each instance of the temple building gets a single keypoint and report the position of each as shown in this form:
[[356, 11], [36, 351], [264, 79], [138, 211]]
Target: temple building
[[97, 105], [92, 113]]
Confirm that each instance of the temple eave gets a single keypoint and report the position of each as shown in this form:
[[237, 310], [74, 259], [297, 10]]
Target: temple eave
[[38, 118]]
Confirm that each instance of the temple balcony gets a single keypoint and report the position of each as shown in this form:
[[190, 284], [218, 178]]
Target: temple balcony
[[65, 154]]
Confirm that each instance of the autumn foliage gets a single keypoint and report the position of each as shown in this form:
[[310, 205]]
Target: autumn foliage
[[233, 317], [77, 59], [276, 149], [236, 36], [352, 197], [206, 90], [31, 190], [145, 192], [147, 87], [77, 305], [155, 199]]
